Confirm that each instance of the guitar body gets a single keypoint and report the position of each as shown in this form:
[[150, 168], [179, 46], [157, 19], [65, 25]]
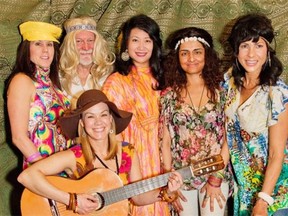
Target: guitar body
[[35, 205]]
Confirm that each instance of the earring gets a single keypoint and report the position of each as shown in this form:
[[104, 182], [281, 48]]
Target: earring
[[269, 59], [125, 56], [111, 131]]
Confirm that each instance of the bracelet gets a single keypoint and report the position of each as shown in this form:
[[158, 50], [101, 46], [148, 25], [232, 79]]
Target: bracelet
[[212, 185], [72, 202], [164, 196], [219, 174], [76, 203], [264, 196], [69, 206], [32, 157], [214, 181]]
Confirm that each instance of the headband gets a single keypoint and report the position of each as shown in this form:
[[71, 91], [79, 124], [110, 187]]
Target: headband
[[186, 39], [80, 27]]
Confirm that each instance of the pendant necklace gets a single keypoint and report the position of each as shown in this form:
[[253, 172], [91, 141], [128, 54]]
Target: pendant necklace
[[196, 111], [102, 162]]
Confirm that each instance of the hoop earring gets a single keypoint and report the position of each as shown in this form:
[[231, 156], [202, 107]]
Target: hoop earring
[[111, 131], [125, 55]]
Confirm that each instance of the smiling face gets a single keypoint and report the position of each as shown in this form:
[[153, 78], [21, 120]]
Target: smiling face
[[192, 57], [97, 122], [42, 53], [85, 45], [140, 47], [252, 55]]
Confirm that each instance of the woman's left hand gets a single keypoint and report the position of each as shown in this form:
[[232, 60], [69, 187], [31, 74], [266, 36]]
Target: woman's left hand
[[212, 193], [260, 208], [175, 181]]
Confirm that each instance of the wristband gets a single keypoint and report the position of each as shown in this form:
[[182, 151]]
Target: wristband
[[213, 185], [266, 198], [214, 181], [163, 195], [32, 157]]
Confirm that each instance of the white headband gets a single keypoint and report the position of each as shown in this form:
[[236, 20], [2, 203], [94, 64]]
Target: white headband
[[186, 39], [80, 27]]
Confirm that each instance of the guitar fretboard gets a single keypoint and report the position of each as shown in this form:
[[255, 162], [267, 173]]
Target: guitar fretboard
[[142, 186]]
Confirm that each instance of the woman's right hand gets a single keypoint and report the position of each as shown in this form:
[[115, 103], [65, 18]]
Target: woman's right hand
[[87, 203]]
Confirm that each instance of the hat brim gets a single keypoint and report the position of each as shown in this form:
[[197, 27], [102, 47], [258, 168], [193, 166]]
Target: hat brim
[[70, 120]]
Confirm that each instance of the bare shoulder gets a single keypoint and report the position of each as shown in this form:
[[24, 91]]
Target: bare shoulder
[[21, 82], [21, 78]]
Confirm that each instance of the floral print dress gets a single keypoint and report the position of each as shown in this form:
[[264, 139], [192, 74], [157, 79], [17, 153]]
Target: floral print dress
[[194, 136], [247, 137]]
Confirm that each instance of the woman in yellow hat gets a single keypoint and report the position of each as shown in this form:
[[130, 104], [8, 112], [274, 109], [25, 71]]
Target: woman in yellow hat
[[34, 99]]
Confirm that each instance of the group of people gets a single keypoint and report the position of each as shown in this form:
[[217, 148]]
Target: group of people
[[141, 113]]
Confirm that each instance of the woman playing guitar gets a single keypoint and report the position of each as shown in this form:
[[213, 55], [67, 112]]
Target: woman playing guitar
[[94, 124]]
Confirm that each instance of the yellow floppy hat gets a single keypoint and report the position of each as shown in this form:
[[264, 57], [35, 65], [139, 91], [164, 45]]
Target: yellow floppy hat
[[35, 30]]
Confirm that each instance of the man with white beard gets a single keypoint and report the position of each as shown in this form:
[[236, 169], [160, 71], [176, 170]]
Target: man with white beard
[[85, 60]]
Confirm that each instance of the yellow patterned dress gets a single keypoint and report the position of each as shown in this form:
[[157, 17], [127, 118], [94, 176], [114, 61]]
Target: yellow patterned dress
[[134, 93]]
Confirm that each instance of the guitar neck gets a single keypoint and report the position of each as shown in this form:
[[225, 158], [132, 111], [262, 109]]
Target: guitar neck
[[142, 186]]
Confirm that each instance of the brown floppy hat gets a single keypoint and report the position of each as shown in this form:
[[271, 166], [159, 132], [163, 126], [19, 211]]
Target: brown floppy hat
[[69, 121]]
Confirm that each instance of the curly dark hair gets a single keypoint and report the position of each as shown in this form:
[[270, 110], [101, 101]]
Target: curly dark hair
[[175, 76], [150, 26], [252, 27]]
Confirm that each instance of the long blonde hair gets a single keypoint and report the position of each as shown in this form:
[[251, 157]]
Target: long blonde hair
[[87, 148], [103, 58]]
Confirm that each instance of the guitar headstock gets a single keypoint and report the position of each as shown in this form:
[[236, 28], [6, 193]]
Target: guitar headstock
[[207, 165]]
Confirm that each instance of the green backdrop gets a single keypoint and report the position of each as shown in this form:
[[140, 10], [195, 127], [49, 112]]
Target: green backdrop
[[215, 16]]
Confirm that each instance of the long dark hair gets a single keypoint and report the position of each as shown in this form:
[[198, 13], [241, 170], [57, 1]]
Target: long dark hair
[[175, 76], [24, 65], [148, 25], [252, 27]]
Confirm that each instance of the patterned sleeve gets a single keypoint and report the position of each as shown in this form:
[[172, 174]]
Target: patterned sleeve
[[227, 77], [162, 119], [113, 89], [279, 98], [164, 106]]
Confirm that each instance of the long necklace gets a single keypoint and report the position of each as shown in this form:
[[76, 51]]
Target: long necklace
[[102, 162], [197, 111]]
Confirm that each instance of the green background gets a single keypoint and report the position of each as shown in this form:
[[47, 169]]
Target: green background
[[215, 16]]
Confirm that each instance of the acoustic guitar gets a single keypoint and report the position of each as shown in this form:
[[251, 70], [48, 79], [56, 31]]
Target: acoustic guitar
[[107, 187]]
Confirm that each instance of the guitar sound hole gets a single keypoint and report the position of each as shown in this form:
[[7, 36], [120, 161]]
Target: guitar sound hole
[[100, 199]]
